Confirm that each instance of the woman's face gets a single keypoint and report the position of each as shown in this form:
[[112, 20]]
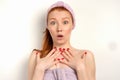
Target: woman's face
[[60, 26]]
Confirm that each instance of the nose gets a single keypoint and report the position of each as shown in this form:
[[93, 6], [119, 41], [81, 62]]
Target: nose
[[59, 29]]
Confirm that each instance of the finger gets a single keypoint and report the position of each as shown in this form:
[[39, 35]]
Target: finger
[[38, 56], [83, 55], [68, 54], [51, 52], [55, 62], [70, 51], [65, 56], [55, 55], [64, 61]]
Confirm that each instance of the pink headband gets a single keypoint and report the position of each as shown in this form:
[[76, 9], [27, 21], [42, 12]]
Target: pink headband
[[62, 4]]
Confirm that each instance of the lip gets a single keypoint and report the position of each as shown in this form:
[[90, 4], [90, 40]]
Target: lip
[[60, 36]]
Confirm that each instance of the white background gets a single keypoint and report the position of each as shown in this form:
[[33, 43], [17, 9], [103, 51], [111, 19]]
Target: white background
[[97, 29]]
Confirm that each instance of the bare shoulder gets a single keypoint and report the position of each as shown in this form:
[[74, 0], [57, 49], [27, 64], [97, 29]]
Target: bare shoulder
[[89, 54], [32, 58], [89, 57], [33, 54]]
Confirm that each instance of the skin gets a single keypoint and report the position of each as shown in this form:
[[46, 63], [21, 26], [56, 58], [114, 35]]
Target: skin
[[84, 64], [61, 24]]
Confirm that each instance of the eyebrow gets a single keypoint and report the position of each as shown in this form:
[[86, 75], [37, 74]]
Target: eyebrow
[[66, 18], [52, 18], [62, 19]]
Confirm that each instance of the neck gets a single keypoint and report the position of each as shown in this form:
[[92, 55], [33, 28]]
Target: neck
[[65, 45]]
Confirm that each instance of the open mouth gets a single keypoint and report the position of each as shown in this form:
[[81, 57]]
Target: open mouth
[[59, 35]]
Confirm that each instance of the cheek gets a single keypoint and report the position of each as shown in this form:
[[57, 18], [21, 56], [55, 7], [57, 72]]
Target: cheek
[[68, 31], [68, 28]]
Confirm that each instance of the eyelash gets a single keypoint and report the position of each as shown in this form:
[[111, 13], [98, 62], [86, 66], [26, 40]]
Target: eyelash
[[52, 22], [65, 22]]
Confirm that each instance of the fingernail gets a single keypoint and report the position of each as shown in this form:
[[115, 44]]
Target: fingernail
[[36, 53], [85, 52], [60, 49], [58, 59], [62, 58], [63, 49], [68, 49]]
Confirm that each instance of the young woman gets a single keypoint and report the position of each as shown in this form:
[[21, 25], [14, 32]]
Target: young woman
[[58, 60]]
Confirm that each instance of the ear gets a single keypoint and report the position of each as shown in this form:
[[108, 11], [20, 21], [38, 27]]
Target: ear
[[72, 26]]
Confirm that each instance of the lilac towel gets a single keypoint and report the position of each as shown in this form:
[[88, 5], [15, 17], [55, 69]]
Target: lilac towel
[[60, 74]]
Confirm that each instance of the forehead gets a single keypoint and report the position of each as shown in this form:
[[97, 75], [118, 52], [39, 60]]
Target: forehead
[[59, 14]]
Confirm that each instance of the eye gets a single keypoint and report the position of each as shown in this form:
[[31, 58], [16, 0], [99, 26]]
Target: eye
[[52, 22], [65, 22]]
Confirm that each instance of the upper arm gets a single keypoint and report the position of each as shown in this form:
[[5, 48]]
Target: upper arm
[[90, 65], [32, 64]]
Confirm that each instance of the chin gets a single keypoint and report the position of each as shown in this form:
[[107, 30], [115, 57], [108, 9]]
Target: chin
[[60, 42]]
